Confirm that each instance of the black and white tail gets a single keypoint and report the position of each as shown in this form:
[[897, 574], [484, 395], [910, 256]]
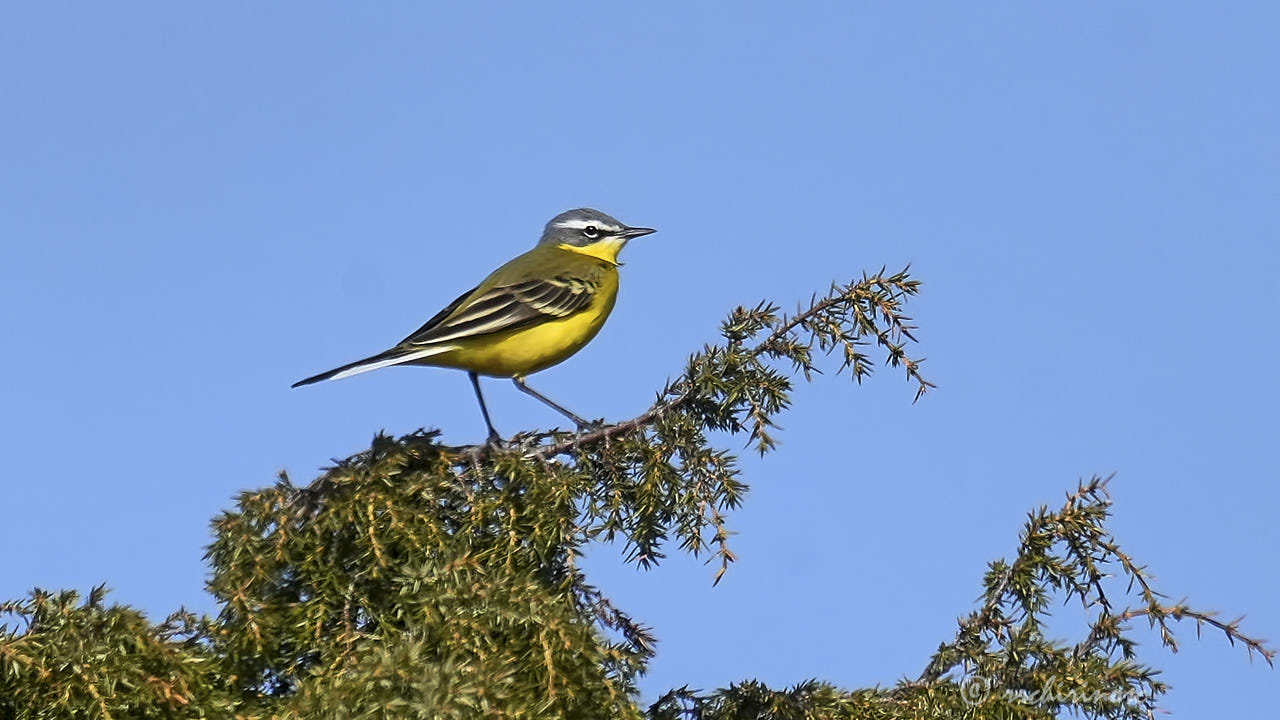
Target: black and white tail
[[394, 356]]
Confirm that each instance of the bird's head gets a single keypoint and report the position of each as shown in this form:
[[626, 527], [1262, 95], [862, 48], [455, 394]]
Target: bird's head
[[590, 232]]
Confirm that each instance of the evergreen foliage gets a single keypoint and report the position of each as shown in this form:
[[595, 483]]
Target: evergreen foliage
[[420, 580]]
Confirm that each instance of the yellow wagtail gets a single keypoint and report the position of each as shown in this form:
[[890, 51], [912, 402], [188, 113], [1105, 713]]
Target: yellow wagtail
[[528, 315]]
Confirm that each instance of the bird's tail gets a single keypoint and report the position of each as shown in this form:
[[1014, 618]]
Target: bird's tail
[[394, 356]]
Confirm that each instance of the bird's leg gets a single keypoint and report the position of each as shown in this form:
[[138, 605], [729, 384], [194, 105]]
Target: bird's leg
[[582, 424], [494, 437]]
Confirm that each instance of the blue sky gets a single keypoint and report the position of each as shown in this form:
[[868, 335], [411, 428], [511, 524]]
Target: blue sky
[[201, 204]]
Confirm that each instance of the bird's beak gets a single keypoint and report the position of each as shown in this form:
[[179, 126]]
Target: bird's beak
[[633, 232]]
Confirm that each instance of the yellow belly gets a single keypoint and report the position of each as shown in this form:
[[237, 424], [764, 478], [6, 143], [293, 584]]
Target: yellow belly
[[538, 347]]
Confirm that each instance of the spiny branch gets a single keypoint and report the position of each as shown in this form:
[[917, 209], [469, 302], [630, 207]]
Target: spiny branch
[[1076, 568], [881, 297], [1159, 615]]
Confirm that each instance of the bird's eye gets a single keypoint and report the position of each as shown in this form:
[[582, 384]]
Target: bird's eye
[[591, 231]]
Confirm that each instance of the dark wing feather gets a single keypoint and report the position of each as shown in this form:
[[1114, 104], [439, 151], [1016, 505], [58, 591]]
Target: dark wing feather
[[435, 319], [506, 307]]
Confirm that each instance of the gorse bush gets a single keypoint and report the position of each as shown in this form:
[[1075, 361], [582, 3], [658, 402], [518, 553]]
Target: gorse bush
[[421, 580]]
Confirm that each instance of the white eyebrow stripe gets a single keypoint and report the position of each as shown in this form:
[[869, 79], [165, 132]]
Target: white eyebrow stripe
[[578, 224]]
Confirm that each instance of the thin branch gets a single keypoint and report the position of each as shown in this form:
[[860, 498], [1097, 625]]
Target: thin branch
[[1158, 613], [848, 296]]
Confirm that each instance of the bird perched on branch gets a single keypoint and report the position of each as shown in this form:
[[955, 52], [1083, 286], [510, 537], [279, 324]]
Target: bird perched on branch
[[528, 315]]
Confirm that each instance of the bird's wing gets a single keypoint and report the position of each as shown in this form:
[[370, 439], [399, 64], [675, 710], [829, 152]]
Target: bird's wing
[[506, 307]]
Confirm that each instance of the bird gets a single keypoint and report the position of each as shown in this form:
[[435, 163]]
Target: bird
[[533, 312]]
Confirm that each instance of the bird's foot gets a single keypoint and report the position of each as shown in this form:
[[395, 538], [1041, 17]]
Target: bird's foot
[[589, 425]]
